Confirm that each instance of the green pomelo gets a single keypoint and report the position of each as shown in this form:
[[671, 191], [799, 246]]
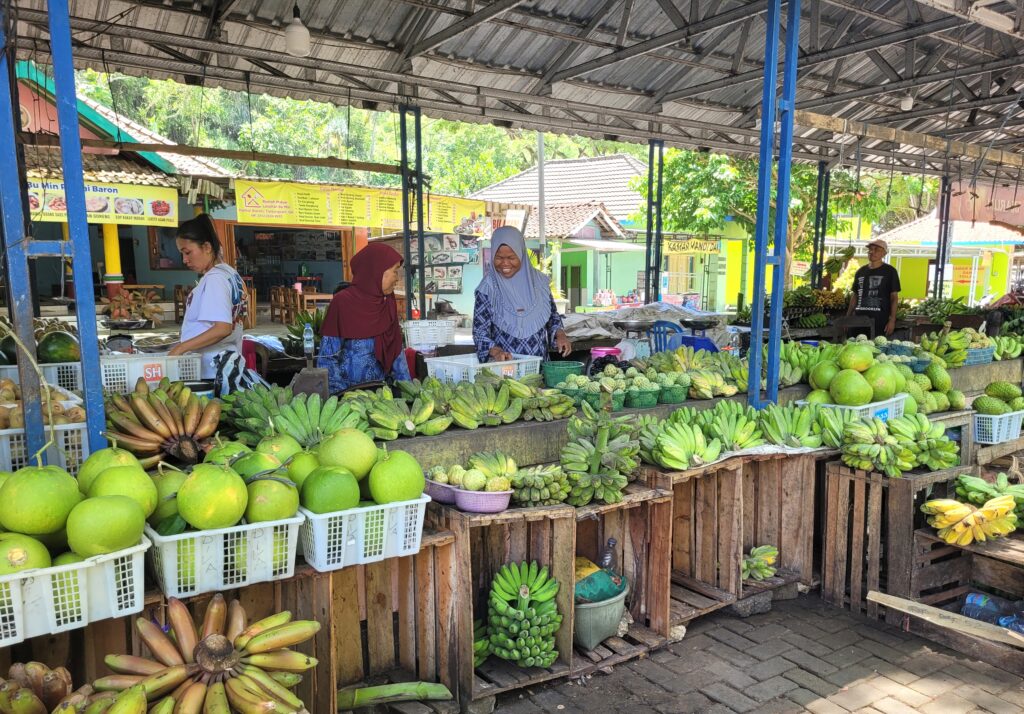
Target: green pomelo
[[280, 446], [855, 356], [105, 524], [271, 499], [224, 452], [21, 552], [167, 485], [329, 489], [849, 388], [4, 475], [882, 379], [301, 466], [822, 374], [819, 396], [901, 381], [130, 481], [36, 500], [100, 461], [255, 463], [397, 477], [350, 449], [68, 558], [213, 496]]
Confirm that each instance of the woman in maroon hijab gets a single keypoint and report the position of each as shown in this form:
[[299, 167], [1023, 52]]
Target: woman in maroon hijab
[[361, 340]]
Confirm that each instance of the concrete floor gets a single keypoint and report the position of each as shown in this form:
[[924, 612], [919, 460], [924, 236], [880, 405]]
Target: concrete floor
[[800, 657]]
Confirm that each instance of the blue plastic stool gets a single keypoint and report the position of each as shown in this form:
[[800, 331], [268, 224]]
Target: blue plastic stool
[[694, 341], [661, 332]]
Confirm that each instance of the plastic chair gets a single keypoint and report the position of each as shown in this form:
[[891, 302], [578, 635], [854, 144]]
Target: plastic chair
[[659, 334], [695, 341]]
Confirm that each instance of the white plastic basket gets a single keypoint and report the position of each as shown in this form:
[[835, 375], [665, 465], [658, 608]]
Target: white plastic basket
[[429, 332], [993, 429], [463, 368], [67, 375], [331, 541], [884, 410], [223, 559], [121, 372], [65, 597], [69, 450]]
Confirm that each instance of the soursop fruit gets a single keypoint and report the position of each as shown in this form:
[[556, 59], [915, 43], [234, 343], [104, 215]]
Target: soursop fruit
[[991, 406], [1003, 390]]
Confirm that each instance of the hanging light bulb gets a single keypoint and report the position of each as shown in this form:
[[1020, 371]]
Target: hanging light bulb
[[296, 36], [907, 102]]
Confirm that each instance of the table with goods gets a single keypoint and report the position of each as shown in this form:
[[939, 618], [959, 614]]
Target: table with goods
[[480, 529]]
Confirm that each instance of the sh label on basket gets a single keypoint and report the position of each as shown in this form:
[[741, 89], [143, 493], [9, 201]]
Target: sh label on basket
[[153, 372], [882, 414]]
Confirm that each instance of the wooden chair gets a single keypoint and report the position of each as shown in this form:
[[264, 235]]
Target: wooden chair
[[293, 304], [250, 315], [180, 296], [277, 303]]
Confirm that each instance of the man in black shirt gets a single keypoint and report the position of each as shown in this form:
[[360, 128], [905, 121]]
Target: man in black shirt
[[876, 290]]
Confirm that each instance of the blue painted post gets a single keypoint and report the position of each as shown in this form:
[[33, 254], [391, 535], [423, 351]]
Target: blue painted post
[[15, 244], [778, 256], [74, 193]]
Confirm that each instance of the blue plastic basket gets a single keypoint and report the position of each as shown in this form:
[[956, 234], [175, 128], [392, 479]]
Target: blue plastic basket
[[919, 365], [694, 341], [980, 355], [898, 350]]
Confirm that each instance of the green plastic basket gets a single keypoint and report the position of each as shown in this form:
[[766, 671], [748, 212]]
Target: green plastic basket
[[594, 400], [642, 398], [555, 372], [672, 395]]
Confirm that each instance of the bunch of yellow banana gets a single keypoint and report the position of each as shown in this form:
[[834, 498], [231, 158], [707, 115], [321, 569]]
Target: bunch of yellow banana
[[224, 666], [684, 446], [950, 346], [832, 422], [962, 524], [169, 421], [791, 425], [392, 418], [926, 441], [867, 445], [475, 405]]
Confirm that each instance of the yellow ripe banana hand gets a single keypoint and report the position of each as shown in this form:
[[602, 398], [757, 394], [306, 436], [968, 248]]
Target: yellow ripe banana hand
[[283, 636]]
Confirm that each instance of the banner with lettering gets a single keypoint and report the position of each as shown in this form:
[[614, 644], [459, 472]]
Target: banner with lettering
[[123, 204]]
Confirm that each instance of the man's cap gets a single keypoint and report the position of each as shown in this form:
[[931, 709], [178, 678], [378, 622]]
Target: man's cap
[[880, 243]]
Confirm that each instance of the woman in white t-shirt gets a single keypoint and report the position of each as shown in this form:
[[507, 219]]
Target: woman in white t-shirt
[[216, 307]]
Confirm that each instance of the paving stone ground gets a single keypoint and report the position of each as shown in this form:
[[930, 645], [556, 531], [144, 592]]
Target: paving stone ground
[[800, 657]]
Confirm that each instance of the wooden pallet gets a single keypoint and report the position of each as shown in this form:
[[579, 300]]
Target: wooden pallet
[[779, 580], [692, 599], [870, 521], [485, 542], [943, 574], [988, 453], [637, 642], [641, 556]]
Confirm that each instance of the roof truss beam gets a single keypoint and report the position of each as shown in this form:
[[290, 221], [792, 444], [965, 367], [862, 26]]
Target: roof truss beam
[[496, 8]]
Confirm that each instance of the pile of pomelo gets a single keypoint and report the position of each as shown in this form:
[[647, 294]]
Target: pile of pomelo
[[855, 378], [49, 518]]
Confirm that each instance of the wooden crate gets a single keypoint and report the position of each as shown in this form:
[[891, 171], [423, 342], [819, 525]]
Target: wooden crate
[[485, 542], [394, 618], [869, 526], [643, 557], [943, 574], [989, 453]]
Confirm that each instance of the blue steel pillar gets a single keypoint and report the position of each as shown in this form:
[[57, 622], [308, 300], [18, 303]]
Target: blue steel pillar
[[652, 260], [412, 194], [777, 258], [19, 248]]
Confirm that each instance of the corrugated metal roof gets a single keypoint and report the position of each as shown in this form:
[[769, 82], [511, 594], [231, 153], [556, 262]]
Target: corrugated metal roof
[[598, 180], [365, 52]]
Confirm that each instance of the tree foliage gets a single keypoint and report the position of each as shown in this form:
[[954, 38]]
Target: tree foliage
[[459, 158], [702, 191]]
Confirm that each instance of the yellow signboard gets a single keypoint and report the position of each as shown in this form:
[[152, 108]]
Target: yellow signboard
[[118, 203], [691, 245], [279, 203]]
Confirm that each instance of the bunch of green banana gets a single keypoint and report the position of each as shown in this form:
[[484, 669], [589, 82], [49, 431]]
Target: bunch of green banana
[[476, 405], [736, 432], [708, 384], [588, 422], [599, 467], [839, 260], [926, 441], [789, 374], [493, 463], [308, 419], [976, 490], [440, 392], [548, 405], [522, 615], [867, 445], [526, 382], [683, 446], [723, 407], [601, 487], [1007, 347], [545, 485], [950, 346], [648, 428], [832, 422], [481, 643], [249, 411], [391, 418], [791, 425], [814, 321], [758, 563]]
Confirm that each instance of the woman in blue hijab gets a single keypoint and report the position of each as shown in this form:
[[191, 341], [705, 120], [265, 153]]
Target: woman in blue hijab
[[514, 311]]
